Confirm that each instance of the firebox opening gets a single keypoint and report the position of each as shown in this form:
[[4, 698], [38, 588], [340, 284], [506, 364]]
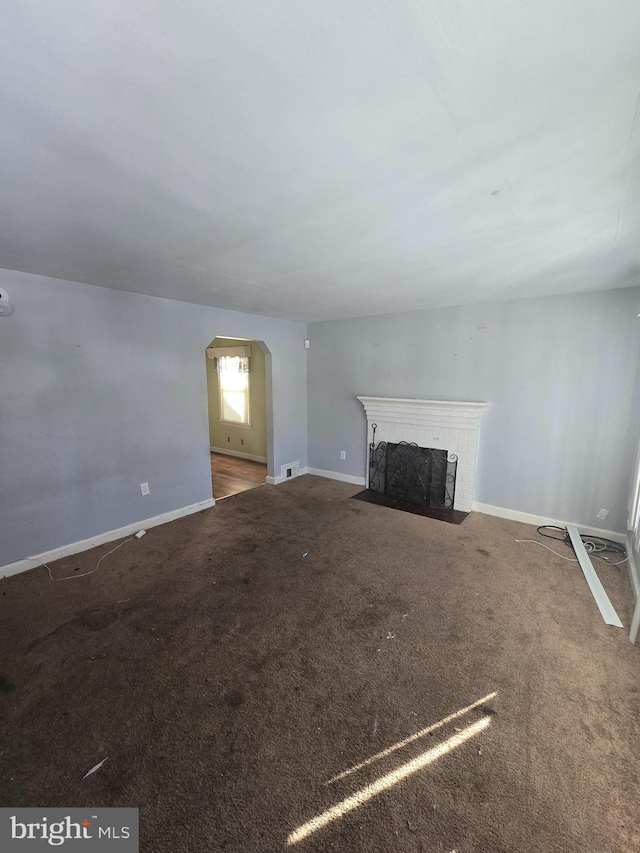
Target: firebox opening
[[423, 476]]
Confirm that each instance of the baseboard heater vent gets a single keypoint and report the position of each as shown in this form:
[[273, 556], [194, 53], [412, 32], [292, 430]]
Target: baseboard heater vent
[[288, 472]]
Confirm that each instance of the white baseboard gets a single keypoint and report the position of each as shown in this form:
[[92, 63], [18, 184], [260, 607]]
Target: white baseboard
[[100, 539], [240, 455], [537, 520], [634, 577], [336, 475]]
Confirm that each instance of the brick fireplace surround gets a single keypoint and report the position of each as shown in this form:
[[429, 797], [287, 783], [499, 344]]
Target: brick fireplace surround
[[440, 424]]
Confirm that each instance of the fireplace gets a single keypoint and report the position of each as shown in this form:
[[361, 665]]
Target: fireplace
[[423, 476], [430, 431]]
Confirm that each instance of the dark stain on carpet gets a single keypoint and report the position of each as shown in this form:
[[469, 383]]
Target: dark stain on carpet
[[5, 685]]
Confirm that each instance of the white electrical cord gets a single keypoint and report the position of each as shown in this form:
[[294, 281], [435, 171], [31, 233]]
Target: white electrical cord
[[591, 553], [84, 574], [542, 545], [606, 560], [593, 544]]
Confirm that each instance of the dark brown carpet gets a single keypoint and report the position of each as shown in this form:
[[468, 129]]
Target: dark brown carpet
[[227, 678]]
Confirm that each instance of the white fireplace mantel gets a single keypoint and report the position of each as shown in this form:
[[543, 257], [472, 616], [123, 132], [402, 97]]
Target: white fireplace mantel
[[449, 425]]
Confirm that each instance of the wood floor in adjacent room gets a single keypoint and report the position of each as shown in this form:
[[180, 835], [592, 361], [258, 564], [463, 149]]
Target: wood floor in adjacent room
[[295, 670], [231, 475]]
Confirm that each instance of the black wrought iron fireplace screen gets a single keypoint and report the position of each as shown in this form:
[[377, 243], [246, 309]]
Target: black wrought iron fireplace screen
[[419, 475]]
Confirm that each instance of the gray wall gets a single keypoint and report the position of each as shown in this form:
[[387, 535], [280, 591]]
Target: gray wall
[[101, 390], [557, 439]]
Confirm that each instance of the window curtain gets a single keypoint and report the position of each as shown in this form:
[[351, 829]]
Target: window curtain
[[231, 359], [232, 364]]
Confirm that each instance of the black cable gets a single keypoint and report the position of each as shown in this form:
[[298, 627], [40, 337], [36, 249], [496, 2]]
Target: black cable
[[616, 547], [552, 527], [595, 546]]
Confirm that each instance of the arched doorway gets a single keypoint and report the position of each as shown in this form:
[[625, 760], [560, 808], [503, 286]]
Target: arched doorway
[[240, 414]]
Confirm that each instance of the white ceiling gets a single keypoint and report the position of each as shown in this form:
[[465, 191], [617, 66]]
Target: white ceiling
[[322, 159]]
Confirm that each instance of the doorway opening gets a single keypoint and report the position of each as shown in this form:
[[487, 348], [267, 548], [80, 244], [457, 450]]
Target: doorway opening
[[238, 371]]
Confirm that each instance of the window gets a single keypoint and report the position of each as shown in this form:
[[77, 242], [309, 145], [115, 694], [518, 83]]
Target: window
[[233, 383]]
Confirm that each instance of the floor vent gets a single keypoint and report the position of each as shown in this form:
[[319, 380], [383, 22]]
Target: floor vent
[[289, 471]]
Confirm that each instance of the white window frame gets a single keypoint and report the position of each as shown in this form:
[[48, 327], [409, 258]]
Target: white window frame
[[246, 425]]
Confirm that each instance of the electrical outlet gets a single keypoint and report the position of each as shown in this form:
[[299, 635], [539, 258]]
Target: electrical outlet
[[242, 441], [228, 438], [602, 514], [343, 454], [144, 488]]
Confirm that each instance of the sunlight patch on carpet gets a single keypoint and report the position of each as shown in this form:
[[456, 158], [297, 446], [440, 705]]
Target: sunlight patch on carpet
[[412, 738], [388, 781]]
